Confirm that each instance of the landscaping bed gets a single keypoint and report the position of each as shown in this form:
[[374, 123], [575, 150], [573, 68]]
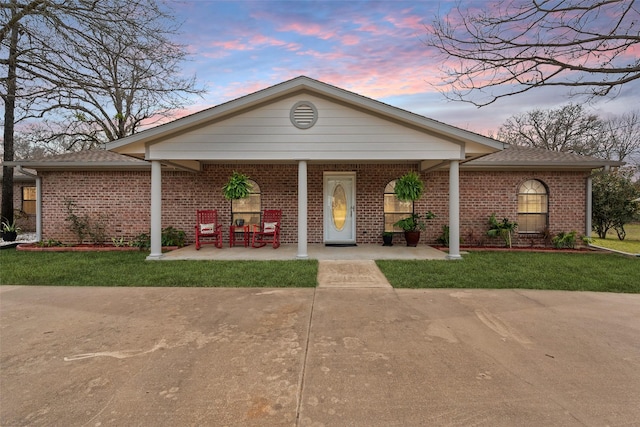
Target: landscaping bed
[[34, 247]]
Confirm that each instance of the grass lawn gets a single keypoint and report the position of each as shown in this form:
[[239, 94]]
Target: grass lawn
[[491, 270], [505, 270], [631, 243], [131, 269]]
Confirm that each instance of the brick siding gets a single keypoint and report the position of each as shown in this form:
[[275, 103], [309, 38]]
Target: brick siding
[[123, 197]]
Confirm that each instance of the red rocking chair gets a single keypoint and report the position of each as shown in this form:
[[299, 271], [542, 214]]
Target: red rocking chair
[[269, 229], [207, 227]]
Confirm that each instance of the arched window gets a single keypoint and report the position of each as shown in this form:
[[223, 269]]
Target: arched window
[[249, 208], [533, 207], [394, 209]]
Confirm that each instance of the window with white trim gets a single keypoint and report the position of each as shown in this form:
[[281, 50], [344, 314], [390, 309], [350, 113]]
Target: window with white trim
[[394, 208], [29, 200], [249, 208], [533, 207]]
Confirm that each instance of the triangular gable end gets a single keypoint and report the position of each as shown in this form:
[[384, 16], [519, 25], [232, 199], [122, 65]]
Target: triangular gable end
[[262, 127]]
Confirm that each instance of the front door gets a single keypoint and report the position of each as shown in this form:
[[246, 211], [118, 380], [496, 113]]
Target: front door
[[339, 208]]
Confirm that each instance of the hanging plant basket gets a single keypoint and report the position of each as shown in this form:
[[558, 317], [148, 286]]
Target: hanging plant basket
[[238, 187], [409, 187]]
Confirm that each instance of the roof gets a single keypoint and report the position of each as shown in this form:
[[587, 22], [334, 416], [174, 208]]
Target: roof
[[135, 144], [511, 157], [514, 156], [90, 159]]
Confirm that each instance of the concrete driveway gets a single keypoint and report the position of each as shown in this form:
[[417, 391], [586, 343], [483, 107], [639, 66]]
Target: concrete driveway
[[317, 357]]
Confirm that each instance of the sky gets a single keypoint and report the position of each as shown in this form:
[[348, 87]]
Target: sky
[[373, 48]]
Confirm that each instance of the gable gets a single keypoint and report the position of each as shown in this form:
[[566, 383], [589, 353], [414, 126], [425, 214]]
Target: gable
[[341, 132]]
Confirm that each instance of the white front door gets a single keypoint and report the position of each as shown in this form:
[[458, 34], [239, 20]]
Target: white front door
[[339, 207]]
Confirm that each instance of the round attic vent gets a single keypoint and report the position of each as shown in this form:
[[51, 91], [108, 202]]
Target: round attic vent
[[304, 115]]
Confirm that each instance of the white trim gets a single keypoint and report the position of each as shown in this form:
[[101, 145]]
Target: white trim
[[156, 211], [454, 210], [302, 210]]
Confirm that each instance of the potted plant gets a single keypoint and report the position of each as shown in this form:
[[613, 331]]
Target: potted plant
[[412, 225], [387, 238], [409, 187], [238, 187], [9, 231]]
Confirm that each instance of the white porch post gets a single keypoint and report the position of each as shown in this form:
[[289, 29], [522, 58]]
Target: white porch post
[[302, 210], [589, 206], [454, 210], [156, 211]]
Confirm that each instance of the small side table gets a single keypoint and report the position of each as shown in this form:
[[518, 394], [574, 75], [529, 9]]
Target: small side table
[[233, 229]]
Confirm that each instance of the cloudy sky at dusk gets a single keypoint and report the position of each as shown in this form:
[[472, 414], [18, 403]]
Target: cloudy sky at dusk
[[373, 48]]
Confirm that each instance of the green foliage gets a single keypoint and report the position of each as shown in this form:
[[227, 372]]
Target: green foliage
[[10, 227], [49, 243], [613, 203], [409, 187], [414, 222], [564, 240], [444, 237], [173, 237], [79, 224], [118, 242], [82, 226], [504, 229], [141, 241], [238, 187], [170, 237]]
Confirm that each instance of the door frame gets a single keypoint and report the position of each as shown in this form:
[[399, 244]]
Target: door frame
[[326, 215]]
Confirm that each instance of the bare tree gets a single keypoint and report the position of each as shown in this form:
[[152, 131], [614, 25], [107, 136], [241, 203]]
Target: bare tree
[[569, 128], [623, 138], [507, 48], [91, 70]]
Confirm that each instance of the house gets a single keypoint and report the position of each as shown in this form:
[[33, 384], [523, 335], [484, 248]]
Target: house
[[329, 159]]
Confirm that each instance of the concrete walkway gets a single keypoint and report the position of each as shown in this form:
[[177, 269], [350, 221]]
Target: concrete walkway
[[77, 356], [315, 251]]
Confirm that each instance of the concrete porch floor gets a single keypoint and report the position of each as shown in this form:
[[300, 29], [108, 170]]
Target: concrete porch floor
[[315, 251]]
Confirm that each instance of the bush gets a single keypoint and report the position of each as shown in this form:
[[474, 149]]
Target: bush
[[564, 240]]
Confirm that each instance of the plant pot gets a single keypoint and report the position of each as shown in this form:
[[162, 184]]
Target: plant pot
[[412, 238], [9, 236], [387, 240]]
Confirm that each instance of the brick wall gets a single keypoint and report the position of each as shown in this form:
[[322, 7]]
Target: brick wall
[[124, 199]]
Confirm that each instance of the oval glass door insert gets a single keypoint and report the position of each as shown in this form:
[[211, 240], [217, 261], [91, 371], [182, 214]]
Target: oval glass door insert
[[339, 207]]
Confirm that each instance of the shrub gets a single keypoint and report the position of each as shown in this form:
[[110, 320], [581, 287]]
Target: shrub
[[564, 240]]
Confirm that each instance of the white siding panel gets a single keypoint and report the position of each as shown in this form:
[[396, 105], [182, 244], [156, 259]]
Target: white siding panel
[[341, 133]]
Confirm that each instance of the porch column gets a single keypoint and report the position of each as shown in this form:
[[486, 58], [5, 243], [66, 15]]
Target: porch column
[[589, 207], [454, 210], [302, 210], [156, 211]]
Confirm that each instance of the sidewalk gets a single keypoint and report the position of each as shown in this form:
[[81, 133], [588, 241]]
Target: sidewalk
[[317, 357]]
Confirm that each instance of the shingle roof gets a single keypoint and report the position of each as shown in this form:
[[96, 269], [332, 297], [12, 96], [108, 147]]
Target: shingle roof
[[517, 156], [94, 159]]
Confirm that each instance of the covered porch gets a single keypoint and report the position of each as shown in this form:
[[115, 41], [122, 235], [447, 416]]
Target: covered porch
[[315, 251]]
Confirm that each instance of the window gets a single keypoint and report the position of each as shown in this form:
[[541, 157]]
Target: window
[[29, 200], [247, 209], [394, 209], [533, 207]]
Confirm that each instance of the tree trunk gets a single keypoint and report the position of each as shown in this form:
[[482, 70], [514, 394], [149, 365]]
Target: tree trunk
[[9, 118]]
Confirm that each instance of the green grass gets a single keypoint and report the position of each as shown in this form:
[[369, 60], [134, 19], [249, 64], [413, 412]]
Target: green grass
[[631, 243], [131, 269], [492, 270], [506, 270]]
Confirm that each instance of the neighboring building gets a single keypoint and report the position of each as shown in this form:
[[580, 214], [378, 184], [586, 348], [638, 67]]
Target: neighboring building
[[24, 199], [328, 158]]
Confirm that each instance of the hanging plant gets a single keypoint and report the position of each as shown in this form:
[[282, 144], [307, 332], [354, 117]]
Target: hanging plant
[[238, 187], [409, 187]]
